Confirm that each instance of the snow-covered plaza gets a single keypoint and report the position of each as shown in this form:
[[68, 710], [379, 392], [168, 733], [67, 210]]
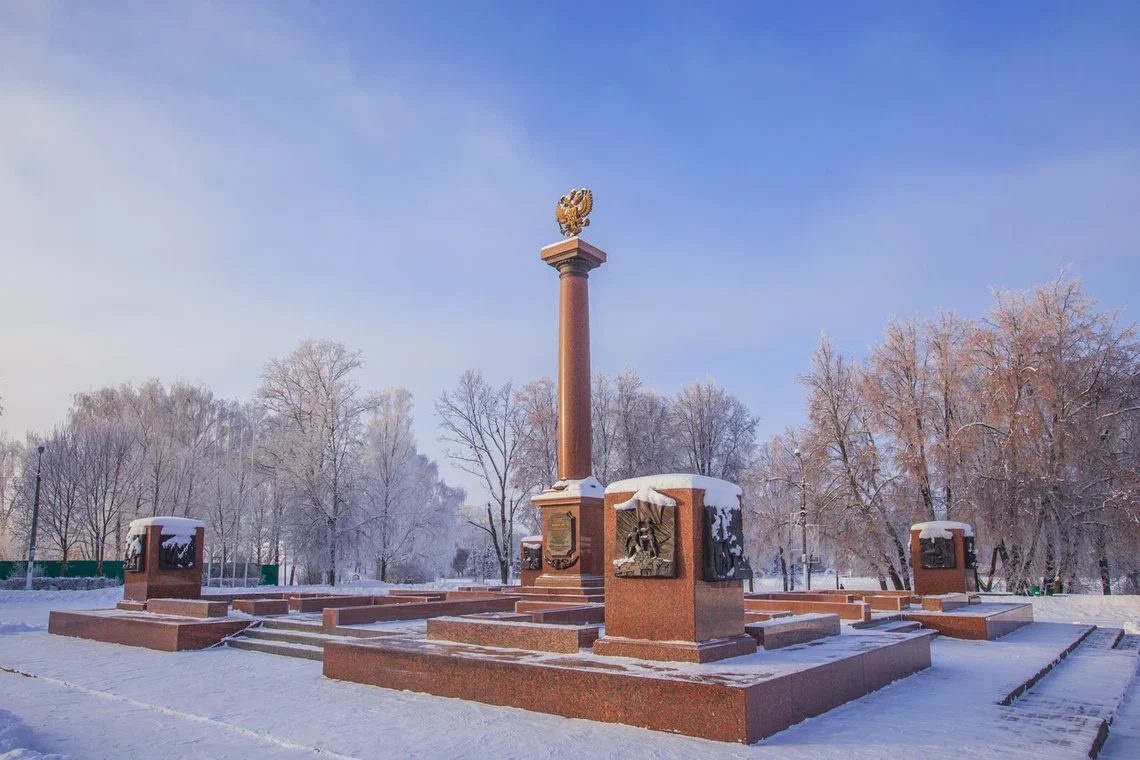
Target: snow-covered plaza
[[72, 698]]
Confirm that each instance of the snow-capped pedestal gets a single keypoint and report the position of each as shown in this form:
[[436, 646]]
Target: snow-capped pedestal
[[572, 533], [530, 559], [675, 554], [171, 526], [941, 529], [589, 487], [942, 557], [163, 558]]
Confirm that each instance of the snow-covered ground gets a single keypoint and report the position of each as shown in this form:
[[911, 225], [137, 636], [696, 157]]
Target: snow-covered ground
[[1109, 611], [83, 699]]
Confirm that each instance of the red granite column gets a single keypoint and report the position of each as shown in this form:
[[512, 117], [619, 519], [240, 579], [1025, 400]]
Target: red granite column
[[572, 509], [574, 371]]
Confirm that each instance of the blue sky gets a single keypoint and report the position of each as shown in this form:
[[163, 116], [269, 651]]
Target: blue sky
[[188, 190]]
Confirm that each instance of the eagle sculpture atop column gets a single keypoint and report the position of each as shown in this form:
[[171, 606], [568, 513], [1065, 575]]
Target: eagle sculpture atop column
[[572, 210]]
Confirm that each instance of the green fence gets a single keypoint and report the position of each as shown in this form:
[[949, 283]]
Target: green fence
[[265, 575], [76, 568], [236, 574]]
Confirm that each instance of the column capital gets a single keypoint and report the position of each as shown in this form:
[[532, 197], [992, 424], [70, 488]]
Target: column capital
[[573, 256]]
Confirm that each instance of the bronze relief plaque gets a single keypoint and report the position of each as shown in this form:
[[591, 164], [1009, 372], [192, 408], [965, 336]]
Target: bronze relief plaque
[[937, 553], [134, 558], [177, 552], [724, 545], [532, 556], [559, 540], [646, 539]]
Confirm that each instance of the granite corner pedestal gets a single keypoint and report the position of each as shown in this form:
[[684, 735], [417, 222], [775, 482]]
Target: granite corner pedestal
[[658, 604]]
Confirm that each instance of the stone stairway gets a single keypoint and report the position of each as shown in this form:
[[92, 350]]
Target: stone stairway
[[292, 638], [1072, 706], [888, 624]]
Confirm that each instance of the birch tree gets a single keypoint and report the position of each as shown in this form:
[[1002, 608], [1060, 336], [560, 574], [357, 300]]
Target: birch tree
[[317, 413], [485, 430]]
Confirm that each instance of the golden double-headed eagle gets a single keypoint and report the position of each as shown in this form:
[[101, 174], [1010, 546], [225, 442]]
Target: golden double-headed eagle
[[572, 210]]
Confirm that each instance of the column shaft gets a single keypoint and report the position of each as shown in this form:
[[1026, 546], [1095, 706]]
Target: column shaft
[[574, 444]]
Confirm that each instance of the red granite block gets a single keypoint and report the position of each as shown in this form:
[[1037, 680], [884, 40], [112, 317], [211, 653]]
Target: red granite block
[[784, 632], [976, 622], [945, 602], [168, 634], [893, 603], [462, 595], [678, 706], [156, 581], [400, 599], [958, 579], [131, 606], [854, 611], [739, 705], [512, 634], [525, 617], [262, 607], [334, 617], [199, 608], [419, 594], [318, 603], [682, 618], [709, 650], [580, 615]]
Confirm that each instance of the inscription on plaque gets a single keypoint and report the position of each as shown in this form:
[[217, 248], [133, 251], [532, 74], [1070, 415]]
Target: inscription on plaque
[[134, 559], [937, 553], [559, 540], [176, 552], [647, 536], [724, 545]]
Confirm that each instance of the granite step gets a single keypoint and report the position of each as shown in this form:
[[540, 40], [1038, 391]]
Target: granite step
[[1129, 642], [293, 625], [899, 626], [1103, 638], [281, 648], [1074, 704], [316, 629], [292, 637]]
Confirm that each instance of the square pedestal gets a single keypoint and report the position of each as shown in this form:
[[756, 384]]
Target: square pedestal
[[679, 618], [950, 571], [572, 548], [739, 700], [156, 581]]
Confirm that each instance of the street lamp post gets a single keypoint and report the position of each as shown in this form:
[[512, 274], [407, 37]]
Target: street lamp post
[[35, 519], [803, 519]]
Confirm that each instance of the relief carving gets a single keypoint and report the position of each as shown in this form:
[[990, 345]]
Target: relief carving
[[724, 545], [532, 556], [937, 553], [647, 536], [134, 558], [177, 552]]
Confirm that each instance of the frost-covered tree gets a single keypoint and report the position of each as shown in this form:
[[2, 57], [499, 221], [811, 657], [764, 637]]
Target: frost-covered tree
[[713, 430], [486, 428], [408, 513], [317, 415]]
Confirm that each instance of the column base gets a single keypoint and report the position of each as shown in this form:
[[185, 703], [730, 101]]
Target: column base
[[676, 651], [570, 581]]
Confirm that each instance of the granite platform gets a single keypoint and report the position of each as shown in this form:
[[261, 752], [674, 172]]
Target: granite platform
[[168, 633], [981, 622], [742, 699]]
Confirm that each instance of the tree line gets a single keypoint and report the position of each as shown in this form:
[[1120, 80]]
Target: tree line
[[1022, 422], [313, 473]]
